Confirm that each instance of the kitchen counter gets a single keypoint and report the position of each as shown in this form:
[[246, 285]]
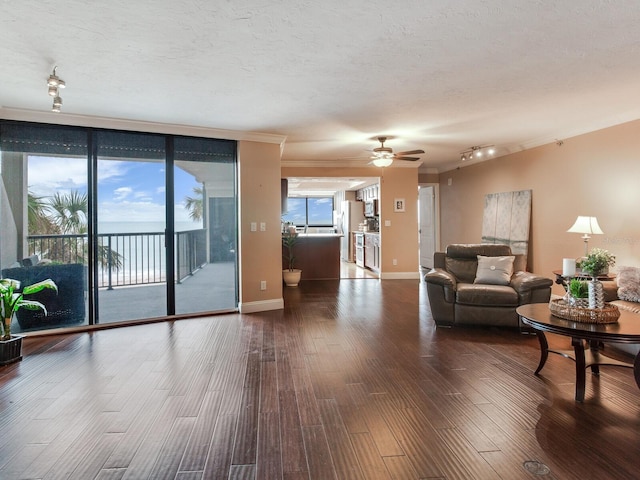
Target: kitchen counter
[[317, 255], [304, 235]]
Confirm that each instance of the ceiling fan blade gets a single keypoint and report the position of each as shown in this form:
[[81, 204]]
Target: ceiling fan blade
[[411, 152], [411, 159]]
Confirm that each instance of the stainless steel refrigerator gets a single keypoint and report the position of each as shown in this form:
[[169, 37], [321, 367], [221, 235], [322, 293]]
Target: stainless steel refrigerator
[[351, 215]]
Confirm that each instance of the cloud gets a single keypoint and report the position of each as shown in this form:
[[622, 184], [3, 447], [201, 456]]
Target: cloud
[[48, 175], [121, 193]]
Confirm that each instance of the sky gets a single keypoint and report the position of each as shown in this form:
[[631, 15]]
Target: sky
[[320, 211], [128, 191]]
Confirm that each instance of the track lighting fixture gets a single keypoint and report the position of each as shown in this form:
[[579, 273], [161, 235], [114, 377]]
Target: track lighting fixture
[[55, 81], [54, 84], [477, 152]]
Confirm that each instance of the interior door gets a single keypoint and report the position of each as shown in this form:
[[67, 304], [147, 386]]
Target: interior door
[[426, 196]]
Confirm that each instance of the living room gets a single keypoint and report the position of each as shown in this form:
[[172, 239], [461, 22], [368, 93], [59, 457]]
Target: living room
[[348, 379]]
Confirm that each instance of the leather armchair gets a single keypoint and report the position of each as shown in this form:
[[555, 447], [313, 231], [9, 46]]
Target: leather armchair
[[456, 299]]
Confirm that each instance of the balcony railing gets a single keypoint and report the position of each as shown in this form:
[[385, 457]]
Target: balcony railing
[[126, 259]]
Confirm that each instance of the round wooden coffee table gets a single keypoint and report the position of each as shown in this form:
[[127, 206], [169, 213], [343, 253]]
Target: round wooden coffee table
[[625, 330]]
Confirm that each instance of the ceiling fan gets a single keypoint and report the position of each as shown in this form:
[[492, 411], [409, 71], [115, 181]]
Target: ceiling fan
[[384, 156]]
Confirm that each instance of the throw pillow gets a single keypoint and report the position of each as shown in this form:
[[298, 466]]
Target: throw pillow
[[629, 284], [494, 270]]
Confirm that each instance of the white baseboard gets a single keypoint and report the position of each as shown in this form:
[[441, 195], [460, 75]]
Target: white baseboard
[[262, 306], [400, 276]]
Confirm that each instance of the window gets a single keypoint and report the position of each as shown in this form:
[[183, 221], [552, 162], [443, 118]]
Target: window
[[312, 211], [119, 220]]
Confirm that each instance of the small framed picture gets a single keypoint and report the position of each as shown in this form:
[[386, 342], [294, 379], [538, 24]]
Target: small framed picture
[[398, 205]]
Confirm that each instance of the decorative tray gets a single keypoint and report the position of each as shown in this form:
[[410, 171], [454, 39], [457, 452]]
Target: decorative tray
[[608, 314]]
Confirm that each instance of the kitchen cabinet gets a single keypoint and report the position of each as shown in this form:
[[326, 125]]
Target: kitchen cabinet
[[372, 251], [359, 248]]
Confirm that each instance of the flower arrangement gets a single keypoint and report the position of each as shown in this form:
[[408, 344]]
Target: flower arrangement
[[597, 262]]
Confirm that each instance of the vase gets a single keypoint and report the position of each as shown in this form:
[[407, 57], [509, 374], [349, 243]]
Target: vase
[[596, 294], [576, 302], [291, 277]]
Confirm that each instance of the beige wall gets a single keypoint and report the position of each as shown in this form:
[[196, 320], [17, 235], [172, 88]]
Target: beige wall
[[425, 178], [596, 174], [399, 240], [260, 252]]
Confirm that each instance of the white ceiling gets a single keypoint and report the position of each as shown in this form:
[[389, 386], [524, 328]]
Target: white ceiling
[[331, 75]]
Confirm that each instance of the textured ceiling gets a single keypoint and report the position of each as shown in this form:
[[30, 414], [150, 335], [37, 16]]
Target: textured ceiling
[[330, 75]]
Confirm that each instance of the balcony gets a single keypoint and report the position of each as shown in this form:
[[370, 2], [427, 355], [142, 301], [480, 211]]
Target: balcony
[[131, 275]]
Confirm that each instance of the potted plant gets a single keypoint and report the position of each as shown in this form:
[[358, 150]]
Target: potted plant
[[578, 293], [598, 262], [290, 275], [11, 300]]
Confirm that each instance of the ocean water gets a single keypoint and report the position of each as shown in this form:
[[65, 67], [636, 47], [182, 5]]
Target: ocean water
[[143, 255], [144, 227]]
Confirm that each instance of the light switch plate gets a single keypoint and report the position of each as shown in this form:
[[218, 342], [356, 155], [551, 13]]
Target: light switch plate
[[387, 223], [263, 227], [254, 227]]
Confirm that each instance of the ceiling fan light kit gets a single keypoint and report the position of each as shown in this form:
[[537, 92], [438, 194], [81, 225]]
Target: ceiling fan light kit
[[384, 156], [382, 161], [477, 152], [54, 84]]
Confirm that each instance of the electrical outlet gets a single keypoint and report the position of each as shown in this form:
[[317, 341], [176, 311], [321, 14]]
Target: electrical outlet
[[395, 261], [387, 223], [254, 227], [263, 227], [263, 284]]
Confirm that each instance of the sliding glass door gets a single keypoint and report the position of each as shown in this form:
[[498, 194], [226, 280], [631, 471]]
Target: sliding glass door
[[135, 225], [131, 224], [205, 225], [43, 210]]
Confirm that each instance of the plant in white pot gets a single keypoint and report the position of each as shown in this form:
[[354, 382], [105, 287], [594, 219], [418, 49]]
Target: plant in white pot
[[11, 300], [290, 275]]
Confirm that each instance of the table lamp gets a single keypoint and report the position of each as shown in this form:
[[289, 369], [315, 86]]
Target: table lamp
[[587, 226]]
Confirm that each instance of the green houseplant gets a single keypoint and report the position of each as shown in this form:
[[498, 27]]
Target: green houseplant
[[577, 293], [597, 262], [290, 275], [11, 300], [578, 288]]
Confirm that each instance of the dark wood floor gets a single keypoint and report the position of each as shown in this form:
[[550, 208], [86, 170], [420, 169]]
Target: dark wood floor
[[352, 380]]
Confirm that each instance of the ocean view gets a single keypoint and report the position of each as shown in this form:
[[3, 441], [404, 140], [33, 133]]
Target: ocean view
[[142, 249], [144, 227]]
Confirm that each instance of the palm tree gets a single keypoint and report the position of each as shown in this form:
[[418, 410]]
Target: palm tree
[[70, 212], [39, 221], [194, 204], [68, 217]]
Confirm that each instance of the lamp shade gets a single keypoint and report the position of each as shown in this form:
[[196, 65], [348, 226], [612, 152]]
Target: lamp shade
[[587, 225]]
